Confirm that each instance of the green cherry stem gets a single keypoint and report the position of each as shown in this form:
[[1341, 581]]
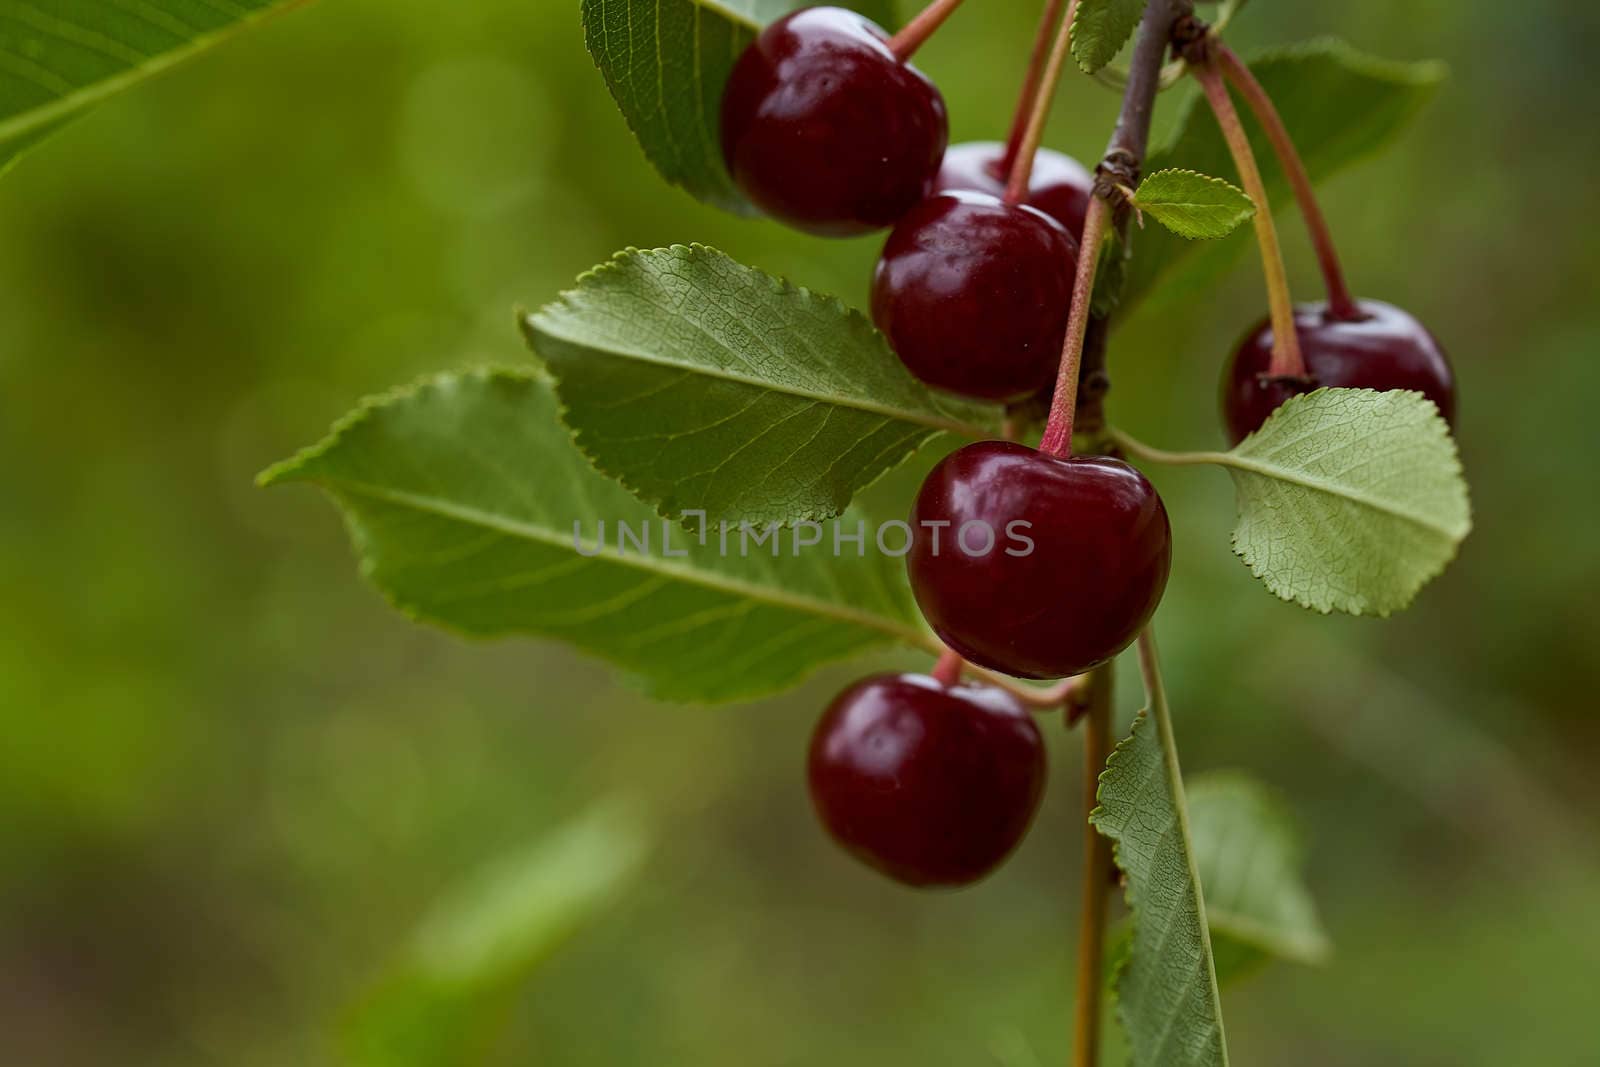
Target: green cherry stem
[[1040, 698], [1243, 81], [1095, 707], [1044, 95], [1057, 440], [1286, 361], [1030, 85], [914, 33]]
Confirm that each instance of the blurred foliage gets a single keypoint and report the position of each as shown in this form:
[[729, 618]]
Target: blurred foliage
[[233, 781]]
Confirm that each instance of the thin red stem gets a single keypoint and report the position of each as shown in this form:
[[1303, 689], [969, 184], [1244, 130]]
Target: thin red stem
[[1030, 85], [914, 33], [1044, 95], [1057, 440], [947, 671], [1286, 361], [1238, 74]]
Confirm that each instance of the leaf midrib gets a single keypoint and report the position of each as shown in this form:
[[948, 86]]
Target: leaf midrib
[[540, 324], [1264, 469], [650, 564]]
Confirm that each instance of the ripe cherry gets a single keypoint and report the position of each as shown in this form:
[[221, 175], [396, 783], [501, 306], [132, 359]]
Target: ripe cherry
[[826, 129], [1059, 186], [1384, 348], [1037, 566], [973, 294], [932, 785]]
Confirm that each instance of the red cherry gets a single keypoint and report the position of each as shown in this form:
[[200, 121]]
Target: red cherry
[[973, 294], [1385, 348], [1058, 185], [823, 128], [1064, 591], [931, 785]]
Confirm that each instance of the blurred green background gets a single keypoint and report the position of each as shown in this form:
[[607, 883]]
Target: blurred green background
[[232, 781]]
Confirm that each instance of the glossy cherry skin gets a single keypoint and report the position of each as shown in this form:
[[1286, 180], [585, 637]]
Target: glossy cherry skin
[[823, 128], [931, 785], [973, 294], [1058, 185], [1385, 348], [1056, 597]]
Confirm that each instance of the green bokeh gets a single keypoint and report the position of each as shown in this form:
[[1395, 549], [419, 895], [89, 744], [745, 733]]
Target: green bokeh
[[232, 780]]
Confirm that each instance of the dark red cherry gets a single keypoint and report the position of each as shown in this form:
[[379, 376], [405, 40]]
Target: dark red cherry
[[932, 785], [1037, 566], [973, 294], [823, 128], [1059, 186], [1385, 348]]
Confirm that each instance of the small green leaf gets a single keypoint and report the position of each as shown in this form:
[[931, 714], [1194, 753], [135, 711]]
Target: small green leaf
[[466, 500], [666, 62], [1247, 850], [1101, 28], [1193, 205], [1167, 993], [1349, 499], [443, 1001], [705, 385], [1340, 106], [56, 59]]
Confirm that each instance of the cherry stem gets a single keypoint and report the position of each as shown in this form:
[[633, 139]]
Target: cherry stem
[[1030, 85], [1044, 95], [1239, 76], [1064, 693], [1096, 870], [914, 33], [947, 671], [1057, 440], [1286, 361]]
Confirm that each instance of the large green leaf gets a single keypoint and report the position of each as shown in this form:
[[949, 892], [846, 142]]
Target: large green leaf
[[703, 384], [443, 1000], [464, 493], [1193, 205], [1339, 106], [58, 57], [1247, 850], [666, 62], [1349, 499], [1100, 28], [1167, 993]]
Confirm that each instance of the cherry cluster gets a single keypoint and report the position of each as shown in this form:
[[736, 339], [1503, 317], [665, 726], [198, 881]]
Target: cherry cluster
[[827, 127]]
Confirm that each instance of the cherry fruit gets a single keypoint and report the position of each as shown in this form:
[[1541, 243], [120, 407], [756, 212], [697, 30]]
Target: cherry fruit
[[1037, 566], [1059, 185], [931, 785], [973, 294], [826, 129], [1382, 348]]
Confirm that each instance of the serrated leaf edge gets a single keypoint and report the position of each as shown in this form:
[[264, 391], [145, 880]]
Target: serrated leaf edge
[[1232, 462]]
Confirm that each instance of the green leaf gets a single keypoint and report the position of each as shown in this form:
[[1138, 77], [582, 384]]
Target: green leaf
[[1349, 499], [1247, 850], [56, 59], [463, 493], [666, 62], [1101, 28], [1339, 105], [443, 1001], [1167, 993], [703, 384], [1193, 205]]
